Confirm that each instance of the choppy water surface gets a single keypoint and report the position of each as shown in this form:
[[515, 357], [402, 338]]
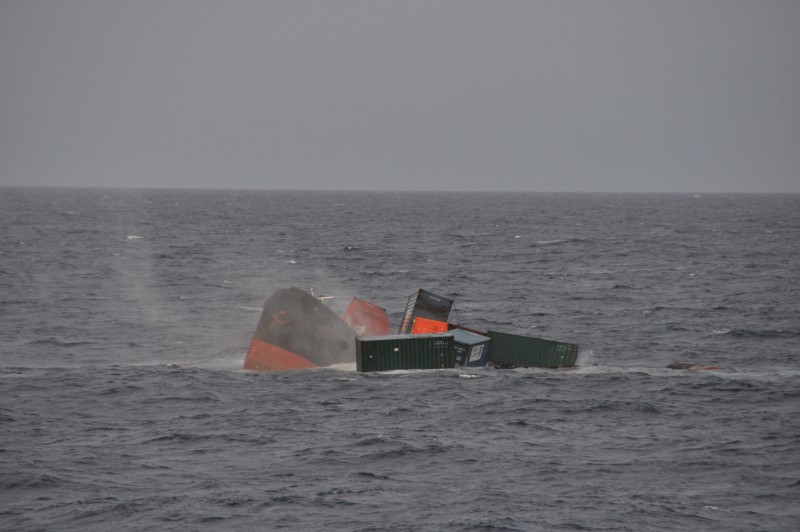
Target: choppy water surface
[[125, 316]]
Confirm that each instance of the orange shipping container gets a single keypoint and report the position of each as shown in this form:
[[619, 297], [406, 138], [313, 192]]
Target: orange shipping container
[[367, 319], [428, 326]]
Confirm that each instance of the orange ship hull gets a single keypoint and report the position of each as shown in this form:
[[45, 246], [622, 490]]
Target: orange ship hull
[[268, 357], [297, 331]]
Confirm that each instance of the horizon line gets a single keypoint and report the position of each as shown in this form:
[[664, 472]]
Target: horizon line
[[410, 191]]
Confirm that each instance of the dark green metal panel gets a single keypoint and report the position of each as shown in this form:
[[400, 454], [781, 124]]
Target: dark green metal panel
[[516, 350], [404, 351]]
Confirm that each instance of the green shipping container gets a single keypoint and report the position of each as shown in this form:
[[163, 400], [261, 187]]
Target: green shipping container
[[404, 351], [511, 350]]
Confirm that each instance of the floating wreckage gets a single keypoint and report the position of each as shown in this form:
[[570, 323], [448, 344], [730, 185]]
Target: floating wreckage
[[297, 330], [690, 366]]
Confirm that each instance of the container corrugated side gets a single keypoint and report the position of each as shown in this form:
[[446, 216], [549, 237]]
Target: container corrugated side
[[404, 351], [428, 326], [426, 305], [517, 350]]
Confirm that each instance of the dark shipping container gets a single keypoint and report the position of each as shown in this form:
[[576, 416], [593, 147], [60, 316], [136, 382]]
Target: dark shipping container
[[426, 305], [471, 349], [510, 350], [404, 351]]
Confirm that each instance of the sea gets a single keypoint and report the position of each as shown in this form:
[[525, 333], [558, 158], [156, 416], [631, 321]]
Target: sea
[[125, 317]]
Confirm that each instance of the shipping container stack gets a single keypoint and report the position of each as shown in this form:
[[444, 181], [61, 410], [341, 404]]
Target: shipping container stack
[[426, 340]]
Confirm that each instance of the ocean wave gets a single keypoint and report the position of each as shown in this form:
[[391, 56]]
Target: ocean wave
[[751, 333], [543, 243], [60, 342], [92, 408]]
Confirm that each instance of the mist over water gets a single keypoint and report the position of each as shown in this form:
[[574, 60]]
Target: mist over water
[[125, 316]]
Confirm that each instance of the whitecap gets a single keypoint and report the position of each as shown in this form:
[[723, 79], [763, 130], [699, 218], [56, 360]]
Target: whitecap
[[343, 366]]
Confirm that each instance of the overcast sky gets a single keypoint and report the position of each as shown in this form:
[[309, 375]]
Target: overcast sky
[[685, 96]]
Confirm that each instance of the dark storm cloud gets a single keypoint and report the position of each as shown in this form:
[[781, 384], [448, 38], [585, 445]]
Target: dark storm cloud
[[616, 95]]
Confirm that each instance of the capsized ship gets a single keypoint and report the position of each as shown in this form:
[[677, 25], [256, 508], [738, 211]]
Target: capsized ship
[[297, 330]]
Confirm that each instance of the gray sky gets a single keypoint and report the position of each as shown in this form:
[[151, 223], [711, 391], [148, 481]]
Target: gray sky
[[667, 95]]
